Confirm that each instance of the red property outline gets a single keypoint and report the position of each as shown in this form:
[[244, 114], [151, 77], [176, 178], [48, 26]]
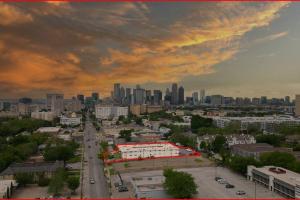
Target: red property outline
[[193, 154]]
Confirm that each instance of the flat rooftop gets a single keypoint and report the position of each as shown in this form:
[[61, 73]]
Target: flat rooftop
[[281, 174], [152, 146], [148, 183]]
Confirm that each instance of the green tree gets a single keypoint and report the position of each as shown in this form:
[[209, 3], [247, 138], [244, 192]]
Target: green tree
[[203, 145], [219, 143], [199, 122], [60, 152], [179, 184], [239, 164], [272, 139], [73, 183], [279, 159], [24, 178], [103, 145], [126, 134], [56, 184]]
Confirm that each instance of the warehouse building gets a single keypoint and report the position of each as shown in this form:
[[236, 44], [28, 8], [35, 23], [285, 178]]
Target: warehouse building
[[279, 180]]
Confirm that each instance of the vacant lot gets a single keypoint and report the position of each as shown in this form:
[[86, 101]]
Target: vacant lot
[[209, 188], [156, 164]]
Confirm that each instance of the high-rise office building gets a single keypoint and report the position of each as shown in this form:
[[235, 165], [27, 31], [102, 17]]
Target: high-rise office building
[[174, 95], [181, 95], [139, 97], [239, 101], [228, 100], [95, 96], [255, 101], [195, 98], [287, 100], [157, 97], [25, 100], [168, 96], [55, 103], [80, 97], [117, 92], [216, 100], [297, 105], [122, 95], [128, 95], [202, 96], [148, 96], [263, 100]]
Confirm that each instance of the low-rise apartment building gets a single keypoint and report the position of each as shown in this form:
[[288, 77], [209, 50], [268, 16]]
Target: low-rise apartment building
[[255, 150]]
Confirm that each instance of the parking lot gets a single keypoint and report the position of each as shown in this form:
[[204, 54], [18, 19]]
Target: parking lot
[[158, 164], [209, 188]]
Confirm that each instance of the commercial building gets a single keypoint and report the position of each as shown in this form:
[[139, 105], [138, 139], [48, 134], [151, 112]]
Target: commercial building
[[157, 97], [255, 150], [148, 187], [70, 120], [181, 95], [174, 94], [108, 111], [80, 97], [277, 179], [55, 103], [297, 105], [148, 150], [195, 98], [117, 92], [44, 115], [139, 95], [202, 96], [216, 100]]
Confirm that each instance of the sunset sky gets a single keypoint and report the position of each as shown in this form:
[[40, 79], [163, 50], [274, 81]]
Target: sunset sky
[[234, 49]]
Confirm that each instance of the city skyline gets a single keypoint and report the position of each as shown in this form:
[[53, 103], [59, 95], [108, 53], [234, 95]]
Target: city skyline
[[233, 49]]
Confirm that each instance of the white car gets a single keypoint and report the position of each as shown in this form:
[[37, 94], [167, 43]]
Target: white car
[[240, 192], [92, 181], [222, 181]]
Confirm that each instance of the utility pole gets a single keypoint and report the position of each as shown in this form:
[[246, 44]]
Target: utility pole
[[255, 189]]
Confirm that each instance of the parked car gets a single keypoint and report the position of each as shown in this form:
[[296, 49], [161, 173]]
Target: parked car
[[117, 184], [92, 181], [122, 188], [240, 192], [229, 186], [222, 181], [217, 178]]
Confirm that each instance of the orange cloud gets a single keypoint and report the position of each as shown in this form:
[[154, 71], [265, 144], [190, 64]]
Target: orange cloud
[[12, 15], [148, 52]]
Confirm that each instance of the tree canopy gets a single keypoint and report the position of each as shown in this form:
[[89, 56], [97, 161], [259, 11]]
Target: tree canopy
[[179, 184], [126, 134], [199, 122], [73, 182], [219, 143]]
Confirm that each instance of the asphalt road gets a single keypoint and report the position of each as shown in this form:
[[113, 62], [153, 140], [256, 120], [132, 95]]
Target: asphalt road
[[93, 166]]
